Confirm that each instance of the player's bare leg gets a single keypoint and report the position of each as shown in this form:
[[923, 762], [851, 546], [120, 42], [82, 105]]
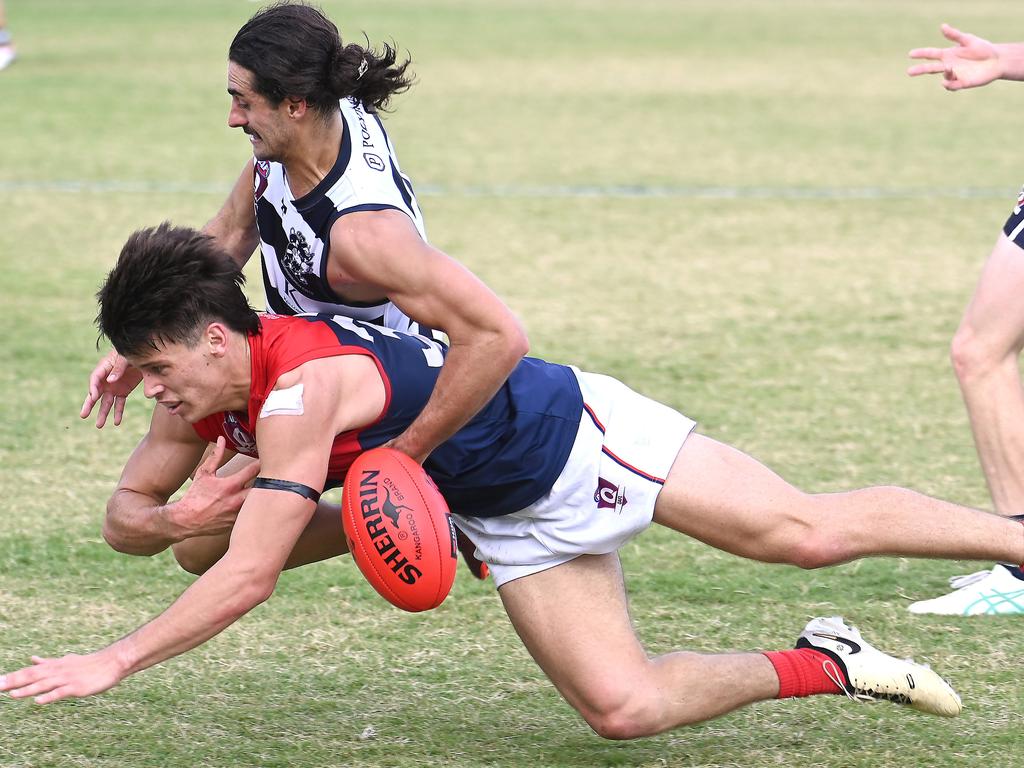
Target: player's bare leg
[[574, 621], [986, 351], [986, 358], [729, 500]]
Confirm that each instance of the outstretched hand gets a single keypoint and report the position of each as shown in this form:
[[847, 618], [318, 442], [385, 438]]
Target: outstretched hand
[[111, 381], [971, 63], [71, 676]]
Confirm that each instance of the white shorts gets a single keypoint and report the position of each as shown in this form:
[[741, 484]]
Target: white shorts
[[624, 448]]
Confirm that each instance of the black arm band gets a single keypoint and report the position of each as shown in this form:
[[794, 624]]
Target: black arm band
[[287, 485]]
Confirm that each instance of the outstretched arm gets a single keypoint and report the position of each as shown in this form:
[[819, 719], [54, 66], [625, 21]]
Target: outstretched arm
[[294, 448], [971, 63], [238, 582]]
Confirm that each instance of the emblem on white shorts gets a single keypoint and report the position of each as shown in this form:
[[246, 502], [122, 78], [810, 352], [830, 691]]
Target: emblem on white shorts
[[609, 496]]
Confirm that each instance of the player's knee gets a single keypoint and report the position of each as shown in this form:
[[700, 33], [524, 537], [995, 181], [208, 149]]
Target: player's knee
[[972, 357], [819, 550], [815, 543], [191, 559], [615, 728], [962, 352], [616, 724], [623, 711]]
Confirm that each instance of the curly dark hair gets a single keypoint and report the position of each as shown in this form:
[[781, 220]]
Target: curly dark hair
[[295, 51], [168, 284]]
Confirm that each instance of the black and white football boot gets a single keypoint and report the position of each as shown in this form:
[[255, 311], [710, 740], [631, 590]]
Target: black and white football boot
[[867, 674]]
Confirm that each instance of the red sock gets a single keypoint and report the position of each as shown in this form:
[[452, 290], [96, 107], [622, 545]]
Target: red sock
[[802, 672]]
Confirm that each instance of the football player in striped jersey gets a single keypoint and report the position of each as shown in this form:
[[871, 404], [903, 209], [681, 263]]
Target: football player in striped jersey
[[336, 221]]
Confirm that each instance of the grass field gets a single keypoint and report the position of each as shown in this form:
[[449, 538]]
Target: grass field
[[742, 207]]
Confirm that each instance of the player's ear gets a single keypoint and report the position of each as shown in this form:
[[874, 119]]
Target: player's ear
[[216, 338], [296, 108]]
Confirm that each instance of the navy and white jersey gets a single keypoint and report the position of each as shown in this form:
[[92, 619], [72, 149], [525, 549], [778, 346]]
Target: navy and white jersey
[[1014, 227], [506, 458], [295, 233]]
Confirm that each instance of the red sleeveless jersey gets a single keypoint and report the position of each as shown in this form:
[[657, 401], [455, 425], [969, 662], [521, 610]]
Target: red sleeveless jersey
[[503, 460], [282, 345]]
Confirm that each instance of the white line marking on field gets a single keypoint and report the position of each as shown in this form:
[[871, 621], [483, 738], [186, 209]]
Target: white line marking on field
[[695, 192]]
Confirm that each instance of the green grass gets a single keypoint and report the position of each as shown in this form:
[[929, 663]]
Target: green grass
[[811, 332]]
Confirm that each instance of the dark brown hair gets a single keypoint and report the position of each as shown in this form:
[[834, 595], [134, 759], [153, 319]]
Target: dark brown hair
[[168, 284], [294, 51]]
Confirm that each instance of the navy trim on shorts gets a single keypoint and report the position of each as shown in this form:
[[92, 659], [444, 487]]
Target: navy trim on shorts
[[611, 455]]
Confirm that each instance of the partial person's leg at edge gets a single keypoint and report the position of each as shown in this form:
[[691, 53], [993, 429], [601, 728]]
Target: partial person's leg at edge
[[985, 353]]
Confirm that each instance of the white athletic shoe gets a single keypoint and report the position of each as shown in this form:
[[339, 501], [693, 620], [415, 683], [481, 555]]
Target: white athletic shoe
[[867, 674], [984, 593]]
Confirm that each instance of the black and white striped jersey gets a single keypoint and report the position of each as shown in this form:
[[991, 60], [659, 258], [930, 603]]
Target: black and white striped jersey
[[1014, 226], [295, 233]]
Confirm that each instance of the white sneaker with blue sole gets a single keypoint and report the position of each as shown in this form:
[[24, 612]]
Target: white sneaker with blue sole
[[985, 593]]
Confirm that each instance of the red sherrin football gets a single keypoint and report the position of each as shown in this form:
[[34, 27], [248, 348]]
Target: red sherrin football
[[398, 529]]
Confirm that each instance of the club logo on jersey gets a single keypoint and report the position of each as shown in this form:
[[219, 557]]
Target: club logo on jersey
[[609, 496], [373, 161], [1020, 202], [239, 435], [262, 178], [298, 261]]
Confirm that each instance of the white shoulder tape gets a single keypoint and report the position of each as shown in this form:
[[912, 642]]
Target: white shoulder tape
[[283, 402]]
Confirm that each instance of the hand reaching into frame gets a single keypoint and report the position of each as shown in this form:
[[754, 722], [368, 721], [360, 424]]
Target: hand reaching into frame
[[971, 63]]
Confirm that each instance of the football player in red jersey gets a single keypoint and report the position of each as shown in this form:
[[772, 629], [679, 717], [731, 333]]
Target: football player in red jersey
[[313, 391]]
